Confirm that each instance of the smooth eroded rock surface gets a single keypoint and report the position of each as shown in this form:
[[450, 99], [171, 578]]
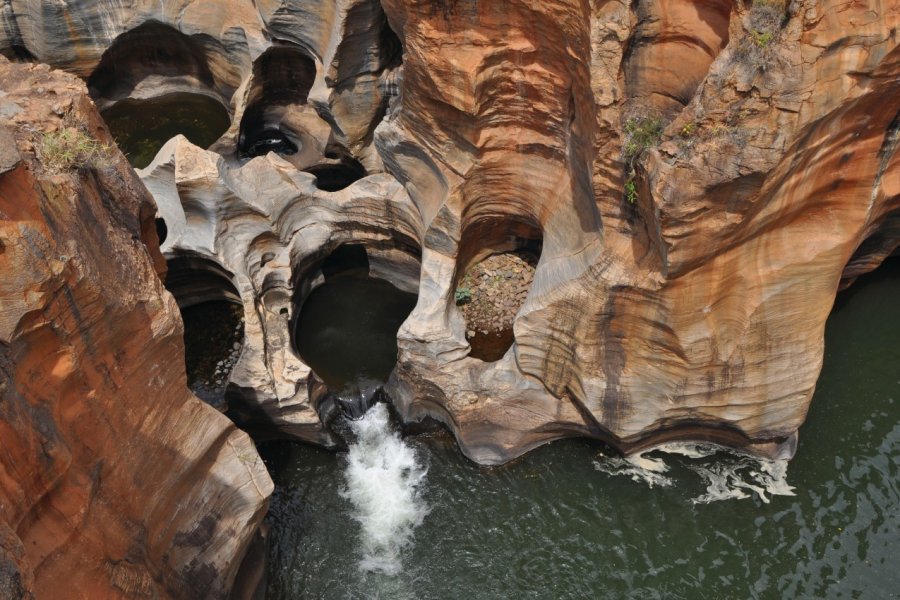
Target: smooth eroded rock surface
[[115, 481], [686, 269]]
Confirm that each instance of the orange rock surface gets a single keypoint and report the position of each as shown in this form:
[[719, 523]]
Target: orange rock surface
[[115, 482]]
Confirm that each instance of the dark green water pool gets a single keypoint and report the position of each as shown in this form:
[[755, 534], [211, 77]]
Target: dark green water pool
[[141, 127], [571, 521], [347, 330]]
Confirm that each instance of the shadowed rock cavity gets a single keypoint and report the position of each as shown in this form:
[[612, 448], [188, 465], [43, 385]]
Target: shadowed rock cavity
[[153, 59], [347, 311], [17, 53], [154, 83], [276, 109], [335, 177], [213, 323], [496, 267]]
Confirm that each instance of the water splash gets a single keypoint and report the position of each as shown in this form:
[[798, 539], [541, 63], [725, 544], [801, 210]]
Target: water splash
[[638, 467], [730, 476], [383, 480]]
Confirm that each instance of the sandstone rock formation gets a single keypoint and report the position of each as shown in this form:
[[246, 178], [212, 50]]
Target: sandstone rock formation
[[115, 482], [695, 312]]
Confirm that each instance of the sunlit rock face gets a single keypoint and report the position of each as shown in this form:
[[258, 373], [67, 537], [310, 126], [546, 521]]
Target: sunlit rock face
[[115, 481], [700, 179]]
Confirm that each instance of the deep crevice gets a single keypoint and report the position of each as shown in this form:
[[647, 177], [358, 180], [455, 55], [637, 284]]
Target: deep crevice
[[18, 53], [390, 48], [162, 230], [213, 324]]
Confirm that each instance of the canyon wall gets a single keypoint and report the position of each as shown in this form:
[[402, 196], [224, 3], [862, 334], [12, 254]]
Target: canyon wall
[[700, 179], [115, 481]]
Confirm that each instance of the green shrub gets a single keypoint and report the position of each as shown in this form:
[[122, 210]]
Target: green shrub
[[641, 133], [761, 38], [70, 149], [463, 295], [764, 23], [631, 191]]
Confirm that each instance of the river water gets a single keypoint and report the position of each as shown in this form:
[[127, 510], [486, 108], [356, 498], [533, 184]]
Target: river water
[[570, 520]]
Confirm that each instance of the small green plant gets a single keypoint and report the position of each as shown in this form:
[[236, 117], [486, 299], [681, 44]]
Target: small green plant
[[688, 130], [463, 295], [71, 148], [761, 38], [765, 20], [641, 133], [631, 191]]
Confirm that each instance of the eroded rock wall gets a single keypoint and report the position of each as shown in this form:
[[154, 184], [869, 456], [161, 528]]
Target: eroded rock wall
[[701, 179], [698, 311], [115, 481]]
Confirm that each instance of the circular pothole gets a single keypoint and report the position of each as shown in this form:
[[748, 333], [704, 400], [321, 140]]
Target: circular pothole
[[268, 140], [490, 295], [141, 127], [346, 328]]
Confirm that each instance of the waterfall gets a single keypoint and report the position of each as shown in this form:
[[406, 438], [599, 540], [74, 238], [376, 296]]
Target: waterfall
[[383, 481]]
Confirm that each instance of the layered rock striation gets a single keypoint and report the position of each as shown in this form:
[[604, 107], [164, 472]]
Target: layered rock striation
[[115, 481], [700, 178]]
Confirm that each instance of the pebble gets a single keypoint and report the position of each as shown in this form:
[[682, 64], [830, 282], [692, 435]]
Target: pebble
[[499, 285]]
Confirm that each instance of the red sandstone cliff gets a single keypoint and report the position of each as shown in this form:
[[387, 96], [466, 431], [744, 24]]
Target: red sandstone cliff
[[115, 482]]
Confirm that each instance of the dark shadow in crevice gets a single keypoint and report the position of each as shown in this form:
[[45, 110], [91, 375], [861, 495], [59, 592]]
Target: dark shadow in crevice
[[162, 230], [335, 177], [152, 48], [390, 48], [213, 324], [18, 53]]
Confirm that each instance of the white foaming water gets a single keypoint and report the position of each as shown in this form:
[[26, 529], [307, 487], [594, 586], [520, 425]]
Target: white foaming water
[[639, 467], [732, 476], [383, 479]]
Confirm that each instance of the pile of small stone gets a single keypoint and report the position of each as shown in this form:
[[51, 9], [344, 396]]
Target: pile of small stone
[[213, 343], [492, 292], [224, 366]]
